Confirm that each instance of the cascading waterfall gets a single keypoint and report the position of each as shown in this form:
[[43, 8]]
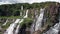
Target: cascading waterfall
[[20, 13], [26, 14], [17, 29], [16, 32], [55, 29], [11, 27], [39, 20], [32, 27], [33, 24], [36, 26]]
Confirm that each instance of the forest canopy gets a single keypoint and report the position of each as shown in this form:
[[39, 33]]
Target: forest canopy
[[15, 9]]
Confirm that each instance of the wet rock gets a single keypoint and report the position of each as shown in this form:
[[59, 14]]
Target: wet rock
[[22, 30]]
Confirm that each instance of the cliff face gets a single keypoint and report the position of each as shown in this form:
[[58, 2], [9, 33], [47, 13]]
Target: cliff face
[[51, 17]]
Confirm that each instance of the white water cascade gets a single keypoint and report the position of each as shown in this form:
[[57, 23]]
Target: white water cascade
[[26, 14], [16, 32], [39, 20], [17, 29], [36, 26], [11, 27], [55, 29]]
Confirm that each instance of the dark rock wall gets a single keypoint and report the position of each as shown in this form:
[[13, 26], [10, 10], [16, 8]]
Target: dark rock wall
[[22, 30], [53, 14]]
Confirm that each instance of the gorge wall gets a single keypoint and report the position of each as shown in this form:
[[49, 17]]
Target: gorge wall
[[39, 20]]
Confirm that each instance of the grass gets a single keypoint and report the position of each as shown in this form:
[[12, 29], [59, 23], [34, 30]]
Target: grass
[[1, 23], [6, 26], [11, 17], [0, 32], [27, 21]]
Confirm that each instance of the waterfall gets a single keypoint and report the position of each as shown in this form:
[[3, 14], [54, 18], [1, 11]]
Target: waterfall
[[55, 29], [11, 27], [17, 29], [26, 14], [32, 27], [36, 26], [39, 20], [5, 22], [21, 7], [20, 13], [33, 24], [16, 32]]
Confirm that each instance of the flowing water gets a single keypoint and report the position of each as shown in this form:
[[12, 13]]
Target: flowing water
[[39, 20], [55, 29], [13, 25], [17, 29], [26, 14], [32, 27], [36, 26]]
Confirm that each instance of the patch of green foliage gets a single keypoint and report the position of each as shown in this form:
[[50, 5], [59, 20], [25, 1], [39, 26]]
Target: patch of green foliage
[[27, 21], [0, 32], [15, 9], [6, 26], [11, 17], [1, 23]]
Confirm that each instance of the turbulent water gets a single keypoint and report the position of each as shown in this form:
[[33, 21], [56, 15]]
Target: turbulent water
[[10, 29], [36, 26], [39, 20], [17, 29], [55, 29]]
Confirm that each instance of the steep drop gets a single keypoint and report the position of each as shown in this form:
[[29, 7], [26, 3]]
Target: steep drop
[[39, 20]]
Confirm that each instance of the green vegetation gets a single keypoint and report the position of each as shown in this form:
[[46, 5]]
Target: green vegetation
[[27, 21], [0, 32], [6, 26], [1, 23], [11, 17], [15, 9]]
